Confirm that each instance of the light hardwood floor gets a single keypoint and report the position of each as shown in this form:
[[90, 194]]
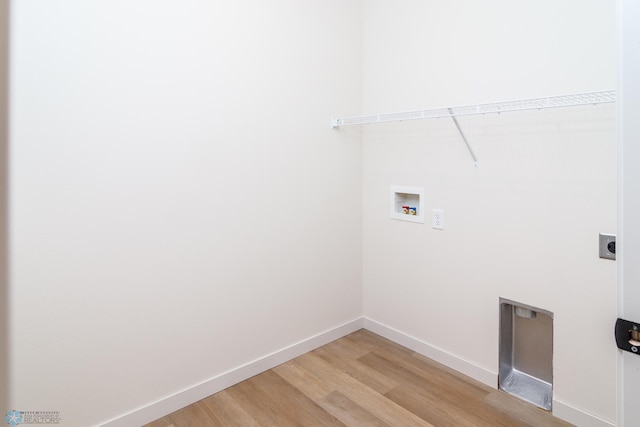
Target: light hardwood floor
[[360, 380]]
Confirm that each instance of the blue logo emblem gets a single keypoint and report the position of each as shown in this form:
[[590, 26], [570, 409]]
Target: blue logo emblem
[[14, 418]]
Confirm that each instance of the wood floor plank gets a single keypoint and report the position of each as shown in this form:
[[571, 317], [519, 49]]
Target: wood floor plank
[[435, 404], [443, 412], [439, 402], [431, 370], [192, 415], [361, 372], [428, 408], [349, 412], [309, 384], [408, 374], [225, 411], [303, 410], [381, 407], [259, 405], [409, 360], [346, 348], [331, 401], [522, 411], [432, 366]]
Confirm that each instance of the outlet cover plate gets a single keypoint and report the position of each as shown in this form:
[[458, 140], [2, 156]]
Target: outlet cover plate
[[607, 246], [437, 219]]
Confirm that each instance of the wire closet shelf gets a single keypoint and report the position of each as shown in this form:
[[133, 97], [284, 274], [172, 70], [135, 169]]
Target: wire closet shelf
[[588, 98]]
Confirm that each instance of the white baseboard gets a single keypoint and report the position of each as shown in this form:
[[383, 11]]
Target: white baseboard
[[197, 392], [454, 362], [577, 416]]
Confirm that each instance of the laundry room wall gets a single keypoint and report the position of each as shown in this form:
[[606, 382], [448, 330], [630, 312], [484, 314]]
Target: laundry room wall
[[180, 205], [524, 225]]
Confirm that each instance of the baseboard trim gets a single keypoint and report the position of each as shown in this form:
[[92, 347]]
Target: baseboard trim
[[454, 362], [185, 397], [577, 416]]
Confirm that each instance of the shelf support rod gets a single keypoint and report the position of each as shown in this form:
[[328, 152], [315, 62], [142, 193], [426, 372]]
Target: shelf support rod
[[464, 138]]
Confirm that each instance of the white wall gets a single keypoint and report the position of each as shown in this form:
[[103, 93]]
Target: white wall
[[4, 134], [525, 224], [629, 202], [179, 203]]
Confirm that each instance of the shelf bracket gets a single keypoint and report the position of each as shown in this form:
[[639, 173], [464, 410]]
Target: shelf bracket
[[464, 138]]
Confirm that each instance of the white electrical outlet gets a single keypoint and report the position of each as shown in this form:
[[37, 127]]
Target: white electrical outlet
[[438, 219]]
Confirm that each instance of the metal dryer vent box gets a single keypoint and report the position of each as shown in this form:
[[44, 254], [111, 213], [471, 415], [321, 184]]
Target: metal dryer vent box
[[526, 353]]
